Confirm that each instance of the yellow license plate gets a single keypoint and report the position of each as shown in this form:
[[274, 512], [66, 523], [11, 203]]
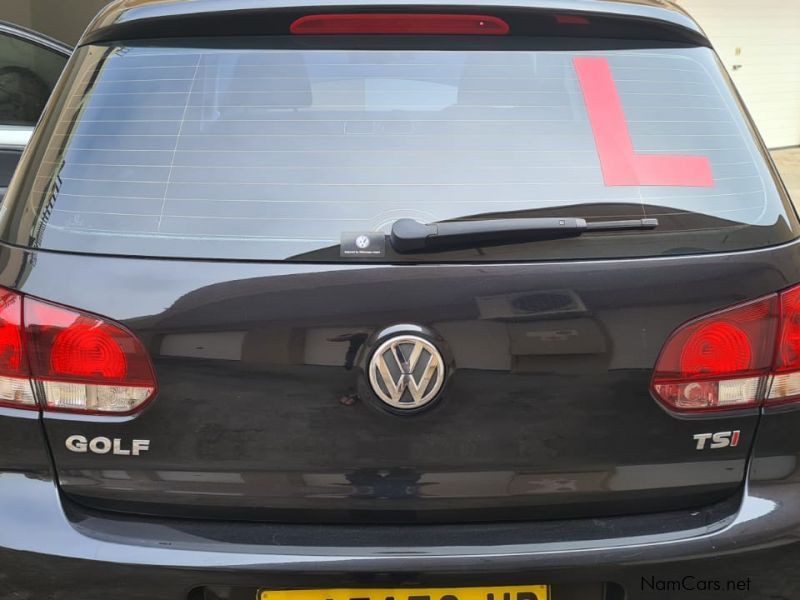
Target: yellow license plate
[[516, 592]]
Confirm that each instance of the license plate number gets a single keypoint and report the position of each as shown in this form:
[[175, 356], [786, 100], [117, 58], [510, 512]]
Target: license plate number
[[518, 592]]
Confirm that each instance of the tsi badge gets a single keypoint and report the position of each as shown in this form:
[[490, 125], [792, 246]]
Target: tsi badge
[[104, 445], [720, 439]]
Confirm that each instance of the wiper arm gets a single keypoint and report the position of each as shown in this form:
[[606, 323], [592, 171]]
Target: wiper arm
[[409, 235]]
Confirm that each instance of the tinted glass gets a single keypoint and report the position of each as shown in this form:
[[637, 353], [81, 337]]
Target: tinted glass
[[28, 73], [277, 153]]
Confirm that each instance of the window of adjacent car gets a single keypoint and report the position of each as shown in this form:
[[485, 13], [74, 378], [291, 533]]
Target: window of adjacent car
[[28, 73]]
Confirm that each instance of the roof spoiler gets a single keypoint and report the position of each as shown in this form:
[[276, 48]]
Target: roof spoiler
[[602, 19]]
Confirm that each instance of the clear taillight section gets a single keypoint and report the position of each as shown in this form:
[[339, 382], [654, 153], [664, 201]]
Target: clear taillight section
[[744, 356], [70, 360]]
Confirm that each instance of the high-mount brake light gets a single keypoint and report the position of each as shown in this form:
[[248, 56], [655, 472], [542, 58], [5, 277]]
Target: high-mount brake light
[[572, 20], [741, 357], [73, 361], [398, 24]]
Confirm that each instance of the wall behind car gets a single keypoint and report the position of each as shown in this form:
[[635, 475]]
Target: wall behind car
[[63, 20], [759, 43]]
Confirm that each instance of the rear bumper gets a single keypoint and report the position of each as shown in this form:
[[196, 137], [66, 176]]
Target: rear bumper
[[50, 549]]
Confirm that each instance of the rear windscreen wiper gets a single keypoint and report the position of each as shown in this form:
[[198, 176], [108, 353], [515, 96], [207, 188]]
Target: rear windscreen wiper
[[409, 235]]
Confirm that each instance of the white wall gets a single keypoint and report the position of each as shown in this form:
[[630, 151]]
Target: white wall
[[763, 38]]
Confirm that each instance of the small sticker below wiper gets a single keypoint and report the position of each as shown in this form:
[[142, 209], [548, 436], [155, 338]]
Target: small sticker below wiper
[[370, 244]]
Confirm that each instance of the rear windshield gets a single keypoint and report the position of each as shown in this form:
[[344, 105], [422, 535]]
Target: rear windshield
[[294, 153]]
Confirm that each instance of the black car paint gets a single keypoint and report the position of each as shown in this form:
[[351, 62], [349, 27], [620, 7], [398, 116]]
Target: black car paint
[[192, 554], [753, 538], [54, 547], [524, 429]]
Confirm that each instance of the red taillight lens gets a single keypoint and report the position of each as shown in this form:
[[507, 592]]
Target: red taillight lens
[[88, 350], [788, 355], [718, 362], [399, 24], [718, 347], [744, 356], [15, 385], [785, 384], [11, 360], [77, 362]]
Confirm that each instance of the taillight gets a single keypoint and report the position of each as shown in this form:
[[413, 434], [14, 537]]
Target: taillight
[[15, 385], [398, 24], [744, 356], [72, 361], [785, 384]]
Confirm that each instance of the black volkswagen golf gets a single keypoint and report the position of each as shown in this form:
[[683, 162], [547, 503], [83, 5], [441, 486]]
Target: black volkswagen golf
[[385, 301]]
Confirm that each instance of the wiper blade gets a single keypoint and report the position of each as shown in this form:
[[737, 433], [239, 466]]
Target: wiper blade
[[409, 235]]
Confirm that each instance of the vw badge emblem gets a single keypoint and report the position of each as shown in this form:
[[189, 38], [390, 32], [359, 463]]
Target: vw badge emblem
[[406, 372]]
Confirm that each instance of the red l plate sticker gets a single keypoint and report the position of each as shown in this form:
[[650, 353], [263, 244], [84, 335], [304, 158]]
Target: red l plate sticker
[[620, 164]]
